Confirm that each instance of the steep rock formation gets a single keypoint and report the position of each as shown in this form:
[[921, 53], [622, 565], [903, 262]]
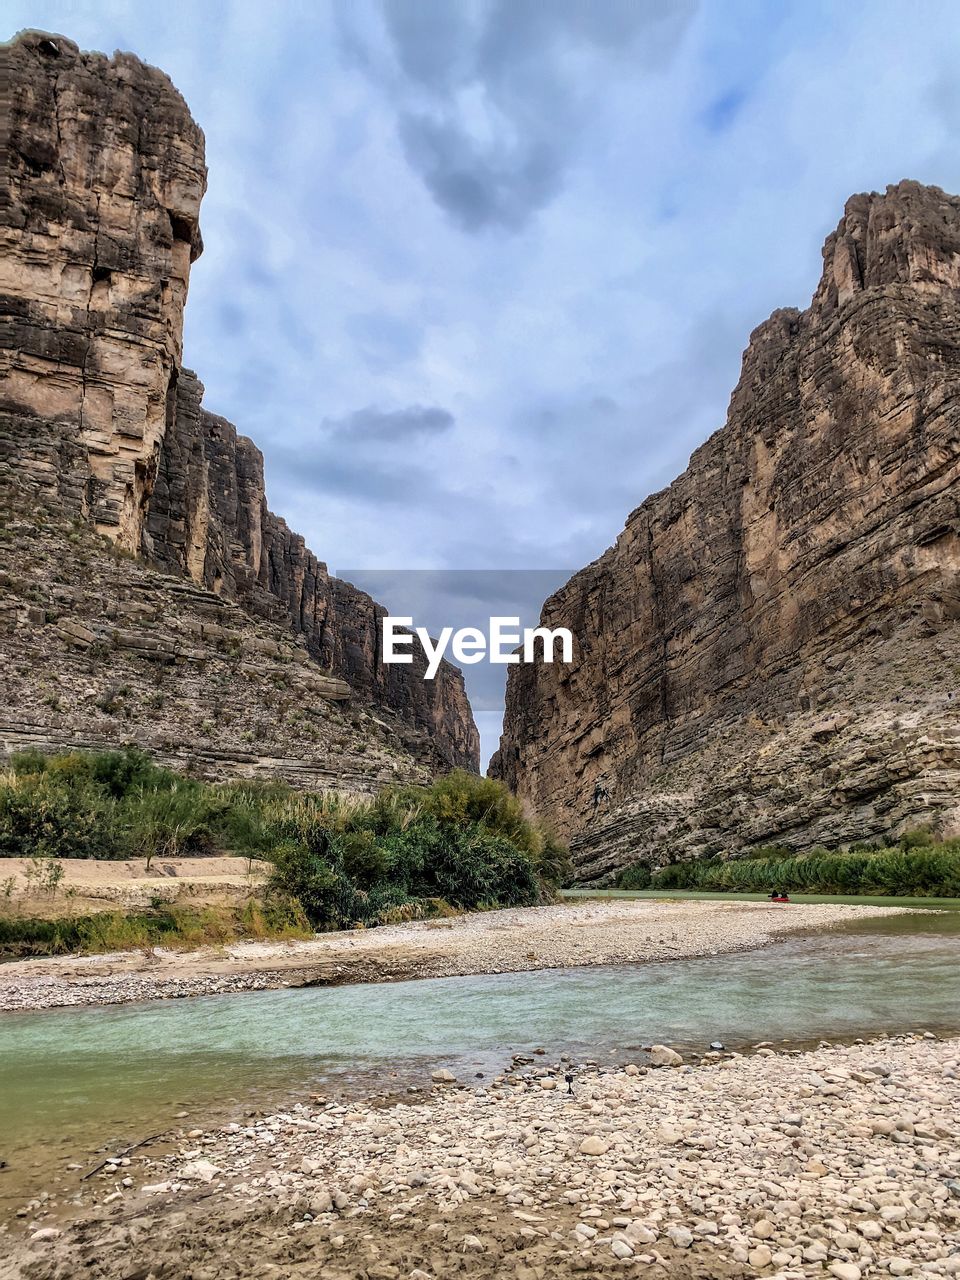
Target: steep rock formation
[[106, 175], [102, 432], [771, 650]]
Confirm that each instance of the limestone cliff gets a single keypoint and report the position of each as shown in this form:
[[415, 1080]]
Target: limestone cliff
[[124, 498], [771, 650]]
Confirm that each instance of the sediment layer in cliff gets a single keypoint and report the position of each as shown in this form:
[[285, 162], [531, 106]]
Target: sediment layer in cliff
[[771, 651], [125, 498]]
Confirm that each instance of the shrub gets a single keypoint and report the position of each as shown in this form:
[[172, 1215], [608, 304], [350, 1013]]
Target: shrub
[[41, 817], [170, 823], [553, 860], [326, 895], [638, 875]]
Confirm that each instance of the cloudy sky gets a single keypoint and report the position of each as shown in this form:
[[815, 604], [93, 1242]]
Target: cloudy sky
[[478, 273]]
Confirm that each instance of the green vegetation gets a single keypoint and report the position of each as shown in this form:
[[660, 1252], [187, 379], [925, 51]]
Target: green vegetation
[[639, 875], [464, 841], [919, 866], [171, 926]]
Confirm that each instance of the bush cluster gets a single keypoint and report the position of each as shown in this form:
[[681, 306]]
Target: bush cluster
[[918, 866], [464, 840]]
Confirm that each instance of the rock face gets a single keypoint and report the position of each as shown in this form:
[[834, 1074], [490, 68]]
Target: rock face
[[107, 173], [771, 651], [125, 496]]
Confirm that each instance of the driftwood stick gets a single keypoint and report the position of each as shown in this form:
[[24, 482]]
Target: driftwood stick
[[125, 1152]]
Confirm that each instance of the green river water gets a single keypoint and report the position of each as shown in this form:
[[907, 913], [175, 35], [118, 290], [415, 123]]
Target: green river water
[[74, 1080]]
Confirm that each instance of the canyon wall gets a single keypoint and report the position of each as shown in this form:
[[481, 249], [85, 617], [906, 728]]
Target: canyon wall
[[124, 497], [771, 651]]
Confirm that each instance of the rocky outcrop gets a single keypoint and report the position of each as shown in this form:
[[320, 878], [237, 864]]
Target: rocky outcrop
[[771, 651], [107, 456], [106, 175], [208, 518]]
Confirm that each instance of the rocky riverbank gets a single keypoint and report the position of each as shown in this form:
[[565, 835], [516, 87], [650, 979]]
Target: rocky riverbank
[[565, 935], [841, 1162]]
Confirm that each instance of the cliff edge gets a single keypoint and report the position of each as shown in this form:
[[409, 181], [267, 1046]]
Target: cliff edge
[[770, 654]]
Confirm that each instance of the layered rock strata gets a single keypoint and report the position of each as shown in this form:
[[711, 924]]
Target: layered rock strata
[[119, 485], [770, 653]]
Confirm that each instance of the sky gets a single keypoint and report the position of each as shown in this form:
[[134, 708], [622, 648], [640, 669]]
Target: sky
[[478, 274]]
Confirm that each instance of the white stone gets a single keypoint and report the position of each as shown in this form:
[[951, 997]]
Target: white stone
[[594, 1146], [199, 1171], [845, 1270], [662, 1055]]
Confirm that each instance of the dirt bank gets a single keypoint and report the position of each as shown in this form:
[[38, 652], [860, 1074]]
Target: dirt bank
[[613, 932], [91, 885]]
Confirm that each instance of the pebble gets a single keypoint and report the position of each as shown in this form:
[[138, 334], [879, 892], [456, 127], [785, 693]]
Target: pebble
[[662, 1055], [594, 1146], [845, 1270], [682, 1237], [199, 1171]]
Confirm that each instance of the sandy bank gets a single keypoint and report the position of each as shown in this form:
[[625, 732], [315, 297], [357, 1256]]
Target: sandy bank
[[591, 933], [91, 885]]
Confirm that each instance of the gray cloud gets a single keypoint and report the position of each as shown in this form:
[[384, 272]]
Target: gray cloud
[[491, 97], [481, 185], [325, 469], [352, 457], [391, 426]]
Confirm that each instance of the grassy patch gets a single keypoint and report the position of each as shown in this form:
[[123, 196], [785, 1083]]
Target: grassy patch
[[919, 866], [168, 927]]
